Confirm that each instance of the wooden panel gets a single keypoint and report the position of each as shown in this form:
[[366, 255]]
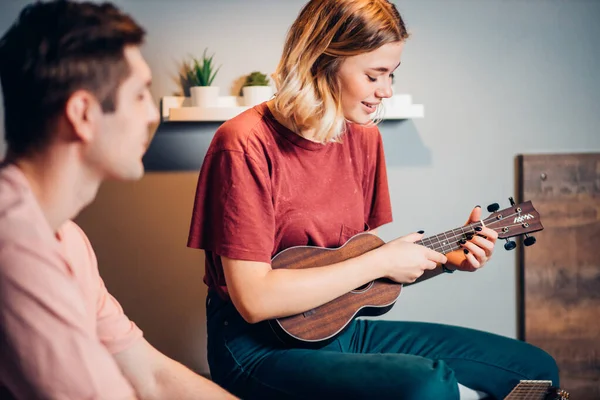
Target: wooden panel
[[560, 285]]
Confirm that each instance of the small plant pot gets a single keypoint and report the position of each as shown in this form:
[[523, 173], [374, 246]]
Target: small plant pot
[[253, 95], [204, 96]]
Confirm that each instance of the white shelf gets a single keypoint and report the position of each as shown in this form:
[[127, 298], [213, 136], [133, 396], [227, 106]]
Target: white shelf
[[175, 108]]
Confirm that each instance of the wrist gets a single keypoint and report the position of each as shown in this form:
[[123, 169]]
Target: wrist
[[379, 261]]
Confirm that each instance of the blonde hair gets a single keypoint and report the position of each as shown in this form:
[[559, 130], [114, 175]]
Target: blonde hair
[[323, 35]]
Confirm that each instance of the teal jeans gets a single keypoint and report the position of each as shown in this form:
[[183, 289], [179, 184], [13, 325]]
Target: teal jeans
[[372, 359]]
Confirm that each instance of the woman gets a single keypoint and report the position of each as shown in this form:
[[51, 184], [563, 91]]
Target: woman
[[307, 168]]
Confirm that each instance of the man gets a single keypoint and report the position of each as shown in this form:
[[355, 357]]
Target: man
[[77, 112]]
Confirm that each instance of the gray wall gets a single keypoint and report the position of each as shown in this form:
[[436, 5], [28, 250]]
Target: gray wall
[[497, 78]]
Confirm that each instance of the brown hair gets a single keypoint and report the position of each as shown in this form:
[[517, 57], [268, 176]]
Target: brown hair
[[323, 35], [52, 50]]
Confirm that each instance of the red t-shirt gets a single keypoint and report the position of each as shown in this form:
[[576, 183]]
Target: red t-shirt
[[263, 189]]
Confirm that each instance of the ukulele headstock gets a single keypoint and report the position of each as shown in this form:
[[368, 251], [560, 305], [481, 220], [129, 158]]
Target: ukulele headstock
[[516, 220]]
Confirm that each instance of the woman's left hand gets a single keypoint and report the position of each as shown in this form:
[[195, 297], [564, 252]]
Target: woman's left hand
[[476, 251]]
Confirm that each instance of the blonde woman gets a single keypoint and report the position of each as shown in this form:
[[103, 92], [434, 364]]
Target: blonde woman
[[307, 168]]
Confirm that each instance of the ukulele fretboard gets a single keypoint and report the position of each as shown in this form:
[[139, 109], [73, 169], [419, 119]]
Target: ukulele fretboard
[[448, 241]]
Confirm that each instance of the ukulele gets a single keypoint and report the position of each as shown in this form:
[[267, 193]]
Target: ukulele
[[537, 390], [322, 324]]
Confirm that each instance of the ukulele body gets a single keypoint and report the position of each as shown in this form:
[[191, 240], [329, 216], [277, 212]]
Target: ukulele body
[[320, 325]]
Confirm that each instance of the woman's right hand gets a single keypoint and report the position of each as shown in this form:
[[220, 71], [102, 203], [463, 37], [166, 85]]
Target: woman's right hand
[[404, 261]]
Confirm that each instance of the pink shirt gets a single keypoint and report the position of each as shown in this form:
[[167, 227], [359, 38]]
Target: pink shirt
[[59, 326]]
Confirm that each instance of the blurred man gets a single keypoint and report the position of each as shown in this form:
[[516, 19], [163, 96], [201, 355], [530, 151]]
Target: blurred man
[[77, 112]]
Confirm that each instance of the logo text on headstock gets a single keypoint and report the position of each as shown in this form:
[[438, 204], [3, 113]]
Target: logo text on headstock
[[522, 218]]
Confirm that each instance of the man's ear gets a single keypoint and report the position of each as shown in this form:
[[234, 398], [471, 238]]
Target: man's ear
[[83, 112]]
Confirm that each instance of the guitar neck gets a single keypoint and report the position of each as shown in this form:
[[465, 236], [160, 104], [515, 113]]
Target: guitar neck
[[537, 390], [444, 243], [447, 242]]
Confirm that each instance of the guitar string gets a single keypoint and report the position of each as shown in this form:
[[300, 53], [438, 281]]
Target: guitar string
[[525, 389], [538, 386]]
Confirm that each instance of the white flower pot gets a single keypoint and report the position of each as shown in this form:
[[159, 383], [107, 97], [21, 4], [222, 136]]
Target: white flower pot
[[254, 95], [204, 96]]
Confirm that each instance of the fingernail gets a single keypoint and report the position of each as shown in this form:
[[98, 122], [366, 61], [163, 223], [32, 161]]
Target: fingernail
[[477, 206], [466, 251], [421, 232], [462, 241], [478, 228], [469, 236]]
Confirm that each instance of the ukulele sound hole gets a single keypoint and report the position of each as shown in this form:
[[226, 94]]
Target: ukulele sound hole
[[363, 288]]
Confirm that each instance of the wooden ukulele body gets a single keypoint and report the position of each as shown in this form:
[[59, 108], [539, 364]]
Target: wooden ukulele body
[[328, 320]]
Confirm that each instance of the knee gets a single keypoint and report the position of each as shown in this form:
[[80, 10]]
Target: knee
[[540, 365], [435, 382], [547, 369]]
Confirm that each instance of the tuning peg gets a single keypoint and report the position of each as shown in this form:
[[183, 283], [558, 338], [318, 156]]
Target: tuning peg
[[512, 201], [529, 240], [493, 207], [510, 245]]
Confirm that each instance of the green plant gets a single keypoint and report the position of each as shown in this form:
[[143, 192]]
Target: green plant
[[256, 79], [202, 72]]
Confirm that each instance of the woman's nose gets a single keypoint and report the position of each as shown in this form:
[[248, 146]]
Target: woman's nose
[[384, 92]]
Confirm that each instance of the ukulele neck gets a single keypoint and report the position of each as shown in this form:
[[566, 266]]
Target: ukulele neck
[[447, 242]]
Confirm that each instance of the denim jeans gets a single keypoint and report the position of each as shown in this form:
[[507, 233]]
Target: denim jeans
[[371, 359]]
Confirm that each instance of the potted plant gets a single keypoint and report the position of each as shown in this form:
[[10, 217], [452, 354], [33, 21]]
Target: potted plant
[[200, 75], [256, 89]]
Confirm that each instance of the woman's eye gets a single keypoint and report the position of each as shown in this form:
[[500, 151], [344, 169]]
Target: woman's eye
[[371, 78]]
